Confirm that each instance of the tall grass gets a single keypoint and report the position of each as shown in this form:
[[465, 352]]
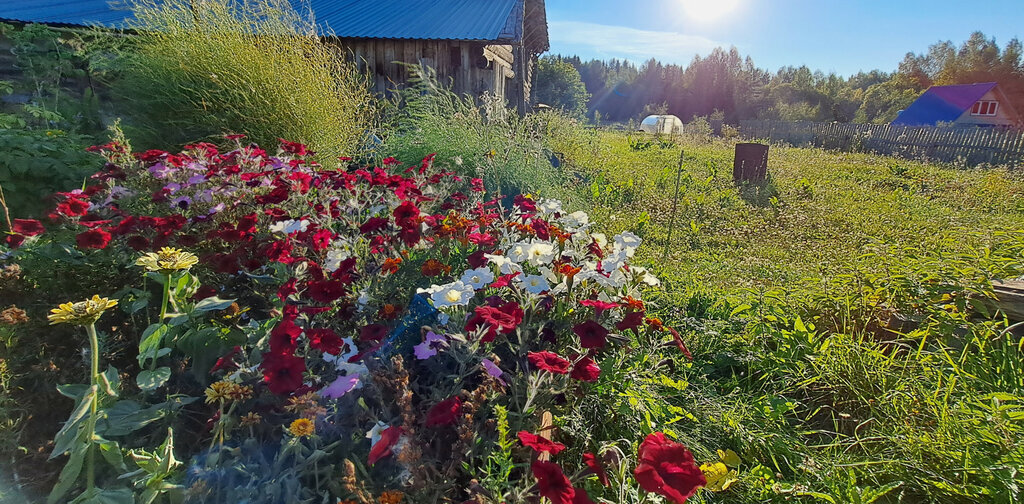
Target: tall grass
[[479, 137], [252, 66]]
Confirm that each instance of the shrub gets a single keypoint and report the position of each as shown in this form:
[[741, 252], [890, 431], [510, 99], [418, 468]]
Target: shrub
[[199, 68]]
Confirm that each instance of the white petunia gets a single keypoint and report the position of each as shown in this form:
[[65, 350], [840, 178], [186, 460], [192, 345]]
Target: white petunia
[[549, 206], [362, 301], [644, 276], [456, 293], [540, 253], [289, 226], [613, 262], [519, 252], [334, 258], [600, 238], [534, 284], [576, 219], [504, 264], [478, 278], [627, 241]]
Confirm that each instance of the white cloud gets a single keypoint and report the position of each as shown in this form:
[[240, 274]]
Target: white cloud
[[608, 41]]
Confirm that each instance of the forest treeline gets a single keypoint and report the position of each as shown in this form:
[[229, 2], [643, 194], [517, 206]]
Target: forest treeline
[[726, 81]]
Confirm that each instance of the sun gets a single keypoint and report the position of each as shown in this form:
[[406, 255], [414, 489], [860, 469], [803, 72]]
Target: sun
[[705, 11]]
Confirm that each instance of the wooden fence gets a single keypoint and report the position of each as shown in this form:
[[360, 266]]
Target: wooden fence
[[964, 146]]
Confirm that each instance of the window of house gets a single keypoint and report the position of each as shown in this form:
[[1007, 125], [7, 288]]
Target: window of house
[[985, 108]]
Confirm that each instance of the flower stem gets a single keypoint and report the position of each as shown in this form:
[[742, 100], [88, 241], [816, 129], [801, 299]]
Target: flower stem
[[167, 296], [90, 426]]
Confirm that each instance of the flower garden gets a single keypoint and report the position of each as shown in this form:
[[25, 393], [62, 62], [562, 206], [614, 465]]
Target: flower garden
[[363, 334]]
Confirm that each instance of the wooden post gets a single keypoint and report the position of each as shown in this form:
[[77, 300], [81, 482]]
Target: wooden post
[[750, 163]]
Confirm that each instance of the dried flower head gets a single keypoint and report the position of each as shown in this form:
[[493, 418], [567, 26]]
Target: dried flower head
[[302, 427], [305, 405], [81, 313], [13, 316], [391, 497], [250, 419], [167, 260]]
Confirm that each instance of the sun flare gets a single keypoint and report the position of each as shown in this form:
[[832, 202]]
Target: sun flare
[[705, 11]]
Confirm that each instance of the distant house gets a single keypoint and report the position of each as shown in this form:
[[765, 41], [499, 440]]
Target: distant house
[[476, 45], [962, 105]]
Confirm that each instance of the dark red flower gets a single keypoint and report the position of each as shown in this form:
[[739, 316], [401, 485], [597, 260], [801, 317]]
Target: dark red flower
[[284, 336], [678, 340], [539, 444], [406, 214], [282, 372], [373, 225], [226, 362], [595, 466], [482, 239], [504, 319], [504, 280], [373, 332], [524, 203], [598, 305], [14, 240], [204, 292], [591, 334], [632, 320], [445, 412], [73, 207], [28, 227], [552, 483], [287, 289], [476, 259], [585, 370], [293, 147], [548, 361], [388, 438], [410, 236], [325, 340], [667, 468], [93, 238], [275, 196], [581, 497], [325, 291], [137, 242]]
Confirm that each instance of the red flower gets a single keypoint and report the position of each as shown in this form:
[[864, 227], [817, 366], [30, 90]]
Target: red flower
[[388, 439], [632, 320], [14, 240], [293, 147], [325, 340], [524, 203], [548, 361], [585, 370], [503, 280], [482, 239], [226, 362], [73, 207], [552, 483], [596, 467], [28, 227], [445, 412], [581, 497], [598, 305], [373, 332], [591, 334], [476, 259], [287, 289], [284, 335], [282, 372], [325, 291], [410, 236], [539, 444], [503, 319], [679, 343], [406, 214], [667, 468], [141, 243], [93, 238], [373, 225]]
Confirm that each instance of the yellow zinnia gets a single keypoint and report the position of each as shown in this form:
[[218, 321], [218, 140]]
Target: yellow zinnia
[[302, 427], [81, 313], [167, 260]]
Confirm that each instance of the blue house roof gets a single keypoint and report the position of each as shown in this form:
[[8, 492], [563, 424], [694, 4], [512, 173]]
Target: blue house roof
[[483, 20], [942, 104]]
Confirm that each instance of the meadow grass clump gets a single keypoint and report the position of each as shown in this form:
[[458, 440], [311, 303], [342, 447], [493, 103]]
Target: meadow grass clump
[[254, 67]]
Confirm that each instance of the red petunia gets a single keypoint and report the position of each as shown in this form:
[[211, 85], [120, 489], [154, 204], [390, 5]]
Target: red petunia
[[552, 483], [137, 242], [325, 340], [282, 372], [667, 468], [476, 259], [501, 319], [284, 336], [482, 239], [373, 225], [406, 214], [595, 466], [388, 438], [548, 361], [591, 334], [373, 332], [598, 305], [539, 444], [73, 207], [504, 280], [632, 320], [287, 289], [93, 238], [678, 340], [226, 362], [581, 497], [14, 240], [28, 227], [325, 291], [445, 412], [585, 370], [293, 147]]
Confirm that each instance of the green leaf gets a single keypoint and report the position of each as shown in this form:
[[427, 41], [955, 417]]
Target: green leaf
[[212, 304], [149, 345], [73, 391], [106, 496], [70, 473], [69, 432], [111, 381], [150, 380], [111, 452]]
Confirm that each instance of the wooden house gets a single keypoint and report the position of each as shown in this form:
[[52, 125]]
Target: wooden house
[[962, 105], [477, 46]]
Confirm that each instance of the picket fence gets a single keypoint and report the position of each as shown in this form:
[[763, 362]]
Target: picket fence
[[961, 146]]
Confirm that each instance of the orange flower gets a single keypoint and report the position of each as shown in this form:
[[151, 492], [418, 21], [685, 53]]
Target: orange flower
[[633, 303], [389, 312], [656, 323], [391, 497], [568, 270], [433, 267], [391, 264]]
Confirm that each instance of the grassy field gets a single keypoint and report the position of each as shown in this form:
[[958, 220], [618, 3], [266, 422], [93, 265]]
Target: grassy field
[[844, 343]]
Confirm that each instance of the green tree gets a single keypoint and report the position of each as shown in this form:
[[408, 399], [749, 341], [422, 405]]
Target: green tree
[[557, 83]]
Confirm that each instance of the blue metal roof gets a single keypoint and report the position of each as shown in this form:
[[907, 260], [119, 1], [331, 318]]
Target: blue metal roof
[[942, 104], [485, 20]]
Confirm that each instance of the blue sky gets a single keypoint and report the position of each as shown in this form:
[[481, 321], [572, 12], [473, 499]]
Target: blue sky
[[828, 35]]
